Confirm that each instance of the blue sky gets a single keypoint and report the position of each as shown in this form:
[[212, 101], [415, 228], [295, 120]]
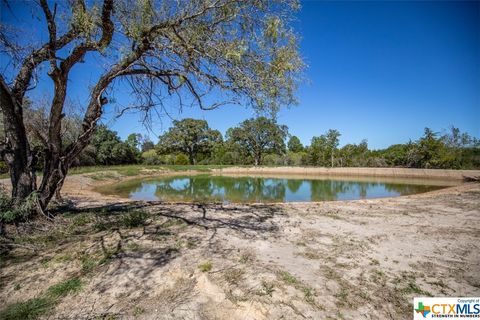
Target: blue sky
[[379, 70]]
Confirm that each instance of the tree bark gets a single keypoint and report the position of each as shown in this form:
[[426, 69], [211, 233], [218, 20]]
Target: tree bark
[[15, 151], [258, 159]]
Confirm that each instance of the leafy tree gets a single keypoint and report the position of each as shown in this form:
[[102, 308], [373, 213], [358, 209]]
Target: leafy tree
[[332, 140], [244, 48], [354, 155], [322, 148], [318, 151], [110, 150], [147, 145], [133, 144], [256, 137], [133, 140], [294, 144], [189, 136]]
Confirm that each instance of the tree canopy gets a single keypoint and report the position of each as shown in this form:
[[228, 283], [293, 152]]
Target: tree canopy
[[294, 144], [258, 136], [191, 137]]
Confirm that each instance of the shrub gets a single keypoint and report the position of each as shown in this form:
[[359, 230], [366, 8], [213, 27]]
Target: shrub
[[151, 157], [181, 159], [3, 167], [10, 212], [273, 160], [64, 288], [206, 266], [135, 219], [37, 307]]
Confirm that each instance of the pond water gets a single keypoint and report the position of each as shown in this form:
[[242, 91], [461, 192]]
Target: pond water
[[264, 189]]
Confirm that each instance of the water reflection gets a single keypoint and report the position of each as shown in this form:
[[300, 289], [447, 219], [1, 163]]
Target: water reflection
[[259, 189]]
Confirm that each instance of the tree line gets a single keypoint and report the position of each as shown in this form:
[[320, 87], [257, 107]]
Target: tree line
[[262, 141]]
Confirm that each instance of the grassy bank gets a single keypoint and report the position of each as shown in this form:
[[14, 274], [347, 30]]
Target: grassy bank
[[136, 169]]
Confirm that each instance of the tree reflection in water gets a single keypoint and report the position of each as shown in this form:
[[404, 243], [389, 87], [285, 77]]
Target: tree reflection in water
[[257, 189]]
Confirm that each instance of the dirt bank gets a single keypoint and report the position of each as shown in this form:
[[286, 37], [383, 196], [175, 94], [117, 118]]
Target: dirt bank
[[357, 172], [362, 259]]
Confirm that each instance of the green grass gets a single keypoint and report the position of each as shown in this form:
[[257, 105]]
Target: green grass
[[308, 292], [413, 288], [30, 309], [39, 306], [63, 288], [136, 169], [205, 266], [134, 219], [288, 278]]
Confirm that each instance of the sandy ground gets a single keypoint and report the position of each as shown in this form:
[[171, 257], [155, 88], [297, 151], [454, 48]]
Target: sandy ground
[[362, 259]]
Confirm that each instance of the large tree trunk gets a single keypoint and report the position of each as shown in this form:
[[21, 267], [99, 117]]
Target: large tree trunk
[[55, 167], [16, 151], [258, 159], [53, 178], [191, 159]]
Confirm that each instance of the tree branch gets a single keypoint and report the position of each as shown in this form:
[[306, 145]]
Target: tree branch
[[107, 33]]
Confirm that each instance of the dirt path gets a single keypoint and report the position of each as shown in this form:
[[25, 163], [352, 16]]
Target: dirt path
[[362, 259]]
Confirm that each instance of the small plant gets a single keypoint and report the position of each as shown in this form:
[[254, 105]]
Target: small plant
[[10, 212], [206, 266], [30, 309], [88, 263], [374, 262], [309, 295], [234, 276], [412, 287], [288, 278], [246, 257], [135, 219], [267, 288], [63, 288], [36, 307], [44, 262], [81, 220], [133, 246], [138, 311]]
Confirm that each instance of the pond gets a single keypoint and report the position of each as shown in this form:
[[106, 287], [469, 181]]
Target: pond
[[242, 189]]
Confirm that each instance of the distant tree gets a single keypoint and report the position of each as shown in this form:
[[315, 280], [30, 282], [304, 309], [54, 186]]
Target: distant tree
[[322, 148], [133, 143], [191, 137], [150, 157], [147, 145], [133, 140], [333, 140], [317, 151], [355, 155], [256, 137], [430, 150], [110, 150], [294, 144]]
